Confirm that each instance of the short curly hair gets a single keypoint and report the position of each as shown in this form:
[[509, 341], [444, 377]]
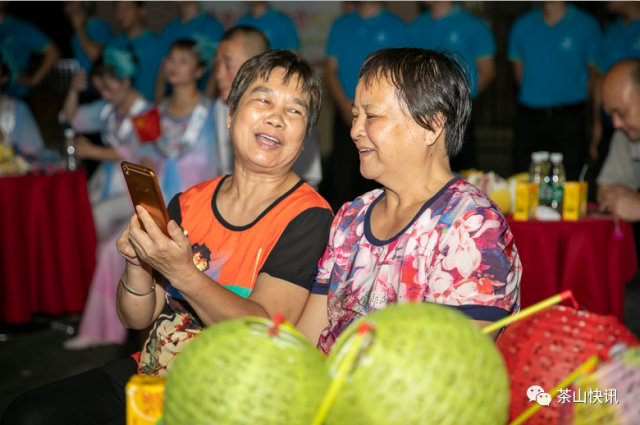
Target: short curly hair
[[262, 65]]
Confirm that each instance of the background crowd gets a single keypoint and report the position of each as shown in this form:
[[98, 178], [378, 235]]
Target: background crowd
[[557, 52]]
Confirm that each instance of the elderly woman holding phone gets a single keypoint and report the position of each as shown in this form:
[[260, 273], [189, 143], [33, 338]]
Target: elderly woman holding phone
[[251, 247], [427, 235], [254, 238]]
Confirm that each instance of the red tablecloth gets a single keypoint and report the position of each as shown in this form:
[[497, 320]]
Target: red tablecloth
[[47, 245], [582, 256]]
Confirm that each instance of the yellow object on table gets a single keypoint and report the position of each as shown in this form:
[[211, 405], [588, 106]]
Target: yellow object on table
[[574, 202], [584, 189], [144, 400], [502, 198], [527, 199]]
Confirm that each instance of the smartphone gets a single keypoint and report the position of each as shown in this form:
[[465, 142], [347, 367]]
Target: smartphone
[[145, 191]]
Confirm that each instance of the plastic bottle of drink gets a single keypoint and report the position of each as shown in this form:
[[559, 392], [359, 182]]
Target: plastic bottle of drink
[[70, 150], [545, 189], [535, 169], [558, 179]]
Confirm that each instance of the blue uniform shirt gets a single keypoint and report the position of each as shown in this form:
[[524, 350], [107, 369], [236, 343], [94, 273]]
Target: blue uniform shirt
[[352, 39], [22, 39], [201, 24], [148, 51], [277, 27], [98, 31], [619, 43], [459, 32], [555, 59]]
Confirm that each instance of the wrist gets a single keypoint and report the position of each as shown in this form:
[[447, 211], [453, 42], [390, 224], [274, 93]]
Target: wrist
[[185, 281], [134, 271], [138, 278]]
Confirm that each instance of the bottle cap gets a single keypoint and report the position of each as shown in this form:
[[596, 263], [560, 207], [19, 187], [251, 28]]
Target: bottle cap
[[556, 157], [544, 155]]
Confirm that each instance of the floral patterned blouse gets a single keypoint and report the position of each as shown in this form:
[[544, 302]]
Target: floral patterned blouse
[[458, 250]]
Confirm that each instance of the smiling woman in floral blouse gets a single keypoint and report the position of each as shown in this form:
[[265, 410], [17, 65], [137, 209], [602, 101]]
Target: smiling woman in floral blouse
[[426, 235]]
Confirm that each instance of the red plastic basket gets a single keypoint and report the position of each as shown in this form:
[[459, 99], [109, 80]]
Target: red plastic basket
[[545, 348]]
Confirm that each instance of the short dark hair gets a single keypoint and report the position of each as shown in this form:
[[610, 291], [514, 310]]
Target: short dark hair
[[261, 66], [187, 44], [432, 85], [251, 34]]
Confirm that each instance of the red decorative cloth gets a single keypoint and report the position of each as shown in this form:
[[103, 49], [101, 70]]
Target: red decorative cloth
[[583, 256], [47, 245], [147, 125]]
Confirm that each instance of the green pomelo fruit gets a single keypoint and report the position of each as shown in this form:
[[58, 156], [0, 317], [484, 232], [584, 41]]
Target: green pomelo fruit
[[236, 373], [424, 364]]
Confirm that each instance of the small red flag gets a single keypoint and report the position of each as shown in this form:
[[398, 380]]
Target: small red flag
[[147, 125]]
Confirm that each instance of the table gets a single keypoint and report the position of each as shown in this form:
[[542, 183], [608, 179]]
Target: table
[[582, 256], [47, 245]]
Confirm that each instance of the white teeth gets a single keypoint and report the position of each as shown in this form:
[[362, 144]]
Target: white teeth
[[274, 140]]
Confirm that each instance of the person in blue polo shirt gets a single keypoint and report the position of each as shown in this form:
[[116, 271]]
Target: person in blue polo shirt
[[276, 26], [353, 37], [22, 40], [446, 25], [130, 17], [622, 37], [621, 41], [192, 22], [90, 34], [553, 50]]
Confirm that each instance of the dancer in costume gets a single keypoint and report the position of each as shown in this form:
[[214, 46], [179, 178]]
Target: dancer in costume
[[112, 117], [186, 152], [192, 22], [17, 126]]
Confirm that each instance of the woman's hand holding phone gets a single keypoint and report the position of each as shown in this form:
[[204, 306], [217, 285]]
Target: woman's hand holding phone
[[125, 249], [171, 256]]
